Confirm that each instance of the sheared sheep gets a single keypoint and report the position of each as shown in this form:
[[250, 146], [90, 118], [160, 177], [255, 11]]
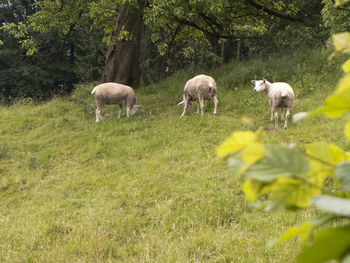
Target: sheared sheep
[[201, 87], [113, 93], [280, 95]]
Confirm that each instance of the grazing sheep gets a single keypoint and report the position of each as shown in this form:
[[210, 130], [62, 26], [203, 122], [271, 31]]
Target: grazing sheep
[[199, 88], [280, 95], [114, 93]]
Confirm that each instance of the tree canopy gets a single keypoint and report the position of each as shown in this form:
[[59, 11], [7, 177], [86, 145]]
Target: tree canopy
[[171, 34]]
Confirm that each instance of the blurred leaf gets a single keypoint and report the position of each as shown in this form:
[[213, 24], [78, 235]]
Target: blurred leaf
[[325, 155], [292, 193], [328, 244], [342, 173], [300, 115], [253, 153], [343, 87], [341, 42], [293, 232], [334, 106], [236, 165], [340, 2], [335, 205], [253, 189], [346, 66], [347, 129], [279, 160], [236, 142], [346, 259]]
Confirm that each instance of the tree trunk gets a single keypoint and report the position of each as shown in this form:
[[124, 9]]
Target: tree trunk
[[238, 54], [122, 59]]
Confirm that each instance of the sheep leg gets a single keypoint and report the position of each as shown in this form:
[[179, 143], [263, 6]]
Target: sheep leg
[[198, 106], [201, 102], [215, 104], [127, 111], [282, 114], [286, 119], [98, 114], [271, 114], [276, 117], [185, 108]]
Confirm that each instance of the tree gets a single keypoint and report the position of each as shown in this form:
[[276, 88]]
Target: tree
[[48, 71], [172, 23], [123, 57]]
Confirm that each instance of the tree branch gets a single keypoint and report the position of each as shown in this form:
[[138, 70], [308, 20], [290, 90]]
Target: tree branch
[[215, 34], [273, 12]]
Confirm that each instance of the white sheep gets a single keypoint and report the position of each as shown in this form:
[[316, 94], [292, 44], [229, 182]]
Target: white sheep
[[201, 87], [280, 95], [113, 93]]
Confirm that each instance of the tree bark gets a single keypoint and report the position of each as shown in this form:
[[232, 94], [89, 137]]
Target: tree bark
[[238, 54], [122, 59]]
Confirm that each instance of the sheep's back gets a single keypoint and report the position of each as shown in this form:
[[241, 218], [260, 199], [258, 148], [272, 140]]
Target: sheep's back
[[201, 85], [112, 93], [282, 95]]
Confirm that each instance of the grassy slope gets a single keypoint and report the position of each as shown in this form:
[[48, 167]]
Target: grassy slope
[[150, 188]]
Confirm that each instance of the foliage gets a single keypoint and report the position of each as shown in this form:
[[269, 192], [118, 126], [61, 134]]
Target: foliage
[[46, 64], [292, 177], [336, 18], [183, 33]]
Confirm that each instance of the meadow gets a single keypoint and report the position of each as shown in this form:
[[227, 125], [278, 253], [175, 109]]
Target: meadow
[[150, 188]]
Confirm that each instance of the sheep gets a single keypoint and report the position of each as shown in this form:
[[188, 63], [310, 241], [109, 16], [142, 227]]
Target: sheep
[[201, 87], [113, 93], [280, 95]]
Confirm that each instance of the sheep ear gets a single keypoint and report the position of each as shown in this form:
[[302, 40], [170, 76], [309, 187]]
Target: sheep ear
[[253, 81], [139, 106]]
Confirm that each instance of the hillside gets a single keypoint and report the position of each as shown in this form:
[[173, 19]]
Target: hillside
[[150, 188]]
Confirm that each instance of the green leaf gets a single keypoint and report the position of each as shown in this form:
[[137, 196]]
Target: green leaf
[[325, 155], [340, 2], [334, 205], [279, 160], [346, 66], [324, 158], [253, 153], [253, 189], [341, 42], [238, 141], [328, 244], [236, 164], [291, 193], [334, 106], [293, 232], [347, 129], [342, 173], [343, 87]]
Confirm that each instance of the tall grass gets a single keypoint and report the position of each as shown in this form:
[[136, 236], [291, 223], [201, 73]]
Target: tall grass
[[150, 188]]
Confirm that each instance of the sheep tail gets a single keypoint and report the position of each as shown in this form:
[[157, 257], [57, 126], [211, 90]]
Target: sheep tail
[[93, 91], [211, 85], [284, 93], [182, 102]]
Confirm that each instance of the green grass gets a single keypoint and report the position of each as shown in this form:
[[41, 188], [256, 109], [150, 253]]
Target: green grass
[[150, 188]]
